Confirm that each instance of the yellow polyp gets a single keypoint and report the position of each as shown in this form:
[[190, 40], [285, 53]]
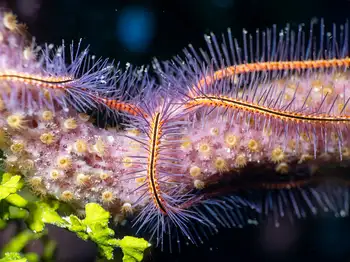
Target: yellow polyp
[[16, 121], [70, 124], [186, 144], [99, 147], [84, 117], [66, 196], [55, 174], [220, 164], [292, 144], [340, 106], [214, 131], [27, 53], [80, 146], [305, 158], [47, 115], [198, 184], [241, 160], [231, 140], [346, 152], [127, 162], [82, 179], [126, 209], [134, 145], [47, 138], [304, 136], [47, 94], [140, 180], [35, 181], [195, 171], [282, 168], [10, 21], [328, 89], [37, 186], [317, 85], [27, 165], [104, 176], [64, 162], [287, 97], [277, 155], [40, 192], [204, 148], [133, 132], [107, 196], [267, 131], [253, 145], [292, 86], [17, 147]]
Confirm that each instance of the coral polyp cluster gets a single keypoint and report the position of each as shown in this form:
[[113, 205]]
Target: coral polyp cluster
[[53, 154], [189, 148]]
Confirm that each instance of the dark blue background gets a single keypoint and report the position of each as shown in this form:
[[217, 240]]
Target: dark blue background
[[136, 31]]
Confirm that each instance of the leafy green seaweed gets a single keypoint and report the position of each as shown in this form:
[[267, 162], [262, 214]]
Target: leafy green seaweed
[[9, 185], [133, 248], [36, 214], [13, 257]]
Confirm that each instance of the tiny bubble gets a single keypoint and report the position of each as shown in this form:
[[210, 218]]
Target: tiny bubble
[[342, 213]]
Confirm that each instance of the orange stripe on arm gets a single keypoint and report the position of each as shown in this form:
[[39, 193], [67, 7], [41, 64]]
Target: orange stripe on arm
[[269, 66], [37, 80], [154, 188], [232, 103], [120, 106]]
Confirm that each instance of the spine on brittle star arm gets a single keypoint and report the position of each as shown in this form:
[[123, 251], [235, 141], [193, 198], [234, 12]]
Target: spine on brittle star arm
[[284, 115], [154, 143], [28, 89], [269, 66], [36, 80], [120, 106]]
